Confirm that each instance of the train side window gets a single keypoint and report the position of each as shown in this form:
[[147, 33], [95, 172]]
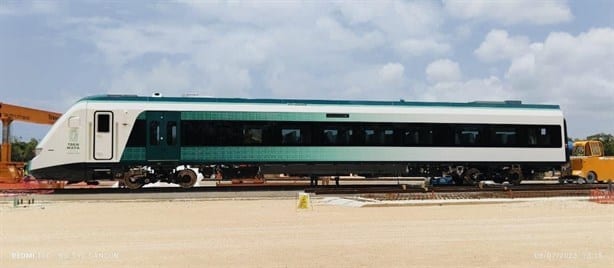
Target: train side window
[[345, 136], [467, 135], [154, 133], [543, 137], [504, 136], [369, 136], [388, 137], [252, 136], [290, 136], [171, 133], [330, 136], [228, 133], [104, 123], [416, 136], [532, 136]]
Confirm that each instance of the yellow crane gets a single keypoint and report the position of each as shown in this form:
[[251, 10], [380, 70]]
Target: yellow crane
[[12, 172]]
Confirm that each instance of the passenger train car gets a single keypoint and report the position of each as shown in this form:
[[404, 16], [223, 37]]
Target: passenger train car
[[139, 140]]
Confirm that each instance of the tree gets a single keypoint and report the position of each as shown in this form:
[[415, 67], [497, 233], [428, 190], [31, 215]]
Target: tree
[[22, 151]]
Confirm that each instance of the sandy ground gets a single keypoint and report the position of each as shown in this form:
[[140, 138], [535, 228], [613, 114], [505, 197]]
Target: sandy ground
[[273, 233]]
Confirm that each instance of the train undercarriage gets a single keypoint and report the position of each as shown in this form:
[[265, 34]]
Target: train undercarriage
[[185, 176]]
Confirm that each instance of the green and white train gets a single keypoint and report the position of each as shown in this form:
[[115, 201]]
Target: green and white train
[[141, 140]]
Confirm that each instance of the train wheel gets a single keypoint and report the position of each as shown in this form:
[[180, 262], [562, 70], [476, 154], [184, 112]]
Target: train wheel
[[472, 176], [186, 178], [591, 177], [132, 183]]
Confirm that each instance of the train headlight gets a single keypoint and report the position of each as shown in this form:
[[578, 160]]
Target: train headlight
[[37, 151]]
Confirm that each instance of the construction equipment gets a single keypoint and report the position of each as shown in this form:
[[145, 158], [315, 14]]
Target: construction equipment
[[588, 163], [13, 172]]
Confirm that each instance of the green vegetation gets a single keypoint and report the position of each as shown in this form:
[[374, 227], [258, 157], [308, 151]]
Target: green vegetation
[[23, 151]]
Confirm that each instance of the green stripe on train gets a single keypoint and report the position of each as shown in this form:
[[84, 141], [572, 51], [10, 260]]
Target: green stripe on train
[[295, 117], [275, 154]]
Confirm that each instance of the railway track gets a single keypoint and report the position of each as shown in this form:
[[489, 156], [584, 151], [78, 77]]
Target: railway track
[[466, 192], [343, 189]]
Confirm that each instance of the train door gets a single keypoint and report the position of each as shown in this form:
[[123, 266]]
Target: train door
[[163, 136], [103, 135]]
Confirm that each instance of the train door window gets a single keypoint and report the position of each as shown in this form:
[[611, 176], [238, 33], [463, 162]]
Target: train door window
[[504, 136], [467, 135], [252, 135], [171, 133], [104, 123], [290, 136], [154, 133]]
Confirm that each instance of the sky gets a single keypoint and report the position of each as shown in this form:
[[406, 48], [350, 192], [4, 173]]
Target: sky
[[53, 53]]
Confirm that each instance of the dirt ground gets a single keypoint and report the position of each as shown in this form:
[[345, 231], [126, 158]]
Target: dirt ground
[[273, 233]]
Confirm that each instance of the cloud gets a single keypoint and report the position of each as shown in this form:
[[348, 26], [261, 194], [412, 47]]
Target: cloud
[[568, 69], [480, 89], [392, 73], [20, 8], [498, 45], [443, 70], [398, 19], [511, 12], [417, 47], [576, 72], [165, 77]]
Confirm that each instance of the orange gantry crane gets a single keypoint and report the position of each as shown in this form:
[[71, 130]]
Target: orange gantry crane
[[12, 172]]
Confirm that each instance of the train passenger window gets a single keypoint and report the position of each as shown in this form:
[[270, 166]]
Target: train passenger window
[[252, 136], [544, 136], [370, 138], [154, 133], [388, 137], [467, 135], [228, 133], [104, 123], [504, 136], [417, 136], [330, 136], [532, 136], [344, 136], [171, 133], [378, 136], [290, 136]]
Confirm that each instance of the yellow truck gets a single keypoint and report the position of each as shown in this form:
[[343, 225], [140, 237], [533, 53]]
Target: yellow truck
[[588, 163]]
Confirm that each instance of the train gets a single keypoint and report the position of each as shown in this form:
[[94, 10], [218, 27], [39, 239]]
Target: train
[[145, 139]]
